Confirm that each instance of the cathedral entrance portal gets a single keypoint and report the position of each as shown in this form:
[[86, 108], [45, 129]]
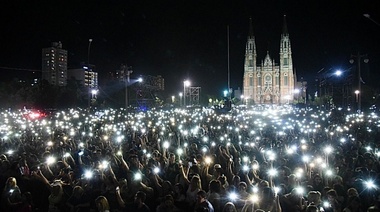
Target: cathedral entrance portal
[[268, 99]]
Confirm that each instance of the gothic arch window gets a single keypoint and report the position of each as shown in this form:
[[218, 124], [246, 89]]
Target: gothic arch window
[[258, 80], [250, 62], [286, 79]]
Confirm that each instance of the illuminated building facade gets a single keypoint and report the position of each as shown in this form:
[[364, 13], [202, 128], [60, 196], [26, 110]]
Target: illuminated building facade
[[54, 64], [268, 82]]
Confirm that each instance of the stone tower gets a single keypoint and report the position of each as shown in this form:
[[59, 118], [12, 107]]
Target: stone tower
[[268, 83]]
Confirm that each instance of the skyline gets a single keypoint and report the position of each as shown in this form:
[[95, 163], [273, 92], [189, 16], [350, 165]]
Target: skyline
[[188, 40]]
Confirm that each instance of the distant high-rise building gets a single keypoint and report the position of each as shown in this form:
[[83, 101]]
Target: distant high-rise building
[[54, 64], [269, 83], [86, 75]]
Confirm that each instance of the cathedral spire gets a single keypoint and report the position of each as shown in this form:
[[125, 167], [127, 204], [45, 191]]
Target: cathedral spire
[[285, 27], [250, 27]]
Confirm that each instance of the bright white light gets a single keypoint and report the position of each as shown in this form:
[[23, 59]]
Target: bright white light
[[138, 176], [166, 144], [254, 198], [88, 174], [208, 160], [272, 172], [370, 184], [233, 196], [328, 149], [156, 170], [50, 160], [300, 190], [179, 151]]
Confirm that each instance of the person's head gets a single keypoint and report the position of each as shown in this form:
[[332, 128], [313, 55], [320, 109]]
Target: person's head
[[56, 189], [229, 207], [217, 170], [312, 208], [242, 187], [331, 195], [3, 157], [196, 182], [11, 182], [167, 185], [314, 197], [140, 197], [179, 189], [263, 184], [194, 146], [236, 180], [169, 200], [352, 192], [102, 203], [214, 186], [317, 179], [201, 196], [78, 191], [172, 158]]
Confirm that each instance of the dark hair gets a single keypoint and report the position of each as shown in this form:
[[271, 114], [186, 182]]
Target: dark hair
[[141, 195], [202, 193], [311, 208], [215, 186]]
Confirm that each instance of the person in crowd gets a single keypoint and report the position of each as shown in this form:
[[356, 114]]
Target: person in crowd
[[214, 195], [11, 196], [138, 205], [202, 203], [167, 205], [102, 204], [229, 207], [78, 201]]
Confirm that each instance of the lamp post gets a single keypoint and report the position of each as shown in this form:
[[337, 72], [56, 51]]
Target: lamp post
[[359, 77], [357, 92], [127, 73], [88, 51], [94, 92], [180, 98], [89, 67], [186, 83]]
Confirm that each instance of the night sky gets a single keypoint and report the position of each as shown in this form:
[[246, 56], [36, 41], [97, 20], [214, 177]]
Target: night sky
[[188, 39]]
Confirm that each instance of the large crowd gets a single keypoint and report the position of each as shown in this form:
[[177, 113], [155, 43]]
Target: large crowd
[[262, 158]]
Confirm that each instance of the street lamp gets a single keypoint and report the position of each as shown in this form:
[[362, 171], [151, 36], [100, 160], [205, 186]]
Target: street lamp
[[297, 92], [89, 67], [186, 83], [359, 76], [180, 98], [88, 51], [357, 92], [338, 73]]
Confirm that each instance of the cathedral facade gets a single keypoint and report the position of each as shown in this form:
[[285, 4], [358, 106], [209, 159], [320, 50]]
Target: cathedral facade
[[269, 82]]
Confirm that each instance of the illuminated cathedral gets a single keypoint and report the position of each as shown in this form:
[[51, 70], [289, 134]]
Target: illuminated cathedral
[[268, 82]]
